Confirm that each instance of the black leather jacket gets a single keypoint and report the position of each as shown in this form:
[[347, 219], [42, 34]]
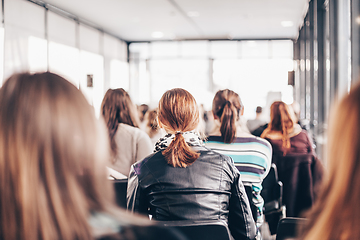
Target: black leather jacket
[[210, 188]]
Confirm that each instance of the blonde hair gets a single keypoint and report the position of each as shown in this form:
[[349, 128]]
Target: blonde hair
[[280, 121], [335, 214], [52, 153], [178, 112]]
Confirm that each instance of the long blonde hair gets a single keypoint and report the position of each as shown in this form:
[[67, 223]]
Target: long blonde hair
[[336, 214], [178, 112], [280, 121], [52, 153]]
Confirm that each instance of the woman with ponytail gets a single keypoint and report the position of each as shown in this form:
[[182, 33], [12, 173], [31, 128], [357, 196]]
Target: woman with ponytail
[[183, 180], [251, 155], [285, 136], [128, 143]]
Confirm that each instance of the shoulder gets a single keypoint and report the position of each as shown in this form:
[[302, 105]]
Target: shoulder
[[140, 165], [133, 131]]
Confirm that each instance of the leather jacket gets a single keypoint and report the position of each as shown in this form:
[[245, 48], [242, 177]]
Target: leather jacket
[[210, 188]]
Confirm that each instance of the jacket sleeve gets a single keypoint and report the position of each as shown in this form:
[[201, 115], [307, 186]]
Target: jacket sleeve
[[241, 222], [135, 196]]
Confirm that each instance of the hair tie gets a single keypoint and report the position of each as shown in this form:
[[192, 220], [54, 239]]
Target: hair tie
[[178, 132]]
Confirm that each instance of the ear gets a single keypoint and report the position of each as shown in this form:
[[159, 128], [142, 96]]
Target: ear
[[242, 111]]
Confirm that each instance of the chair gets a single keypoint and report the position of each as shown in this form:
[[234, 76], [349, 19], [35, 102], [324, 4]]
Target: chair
[[287, 228], [196, 230], [272, 193], [301, 175], [120, 187]]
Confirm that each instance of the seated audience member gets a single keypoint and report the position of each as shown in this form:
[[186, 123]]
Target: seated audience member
[[257, 122], [298, 167], [284, 134], [183, 180], [151, 126], [142, 110], [128, 143], [251, 155], [335, 214], [52, 165]]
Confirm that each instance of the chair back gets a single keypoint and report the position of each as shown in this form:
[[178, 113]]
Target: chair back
[[301, 175], [196, 230], [120, 188], [272, 191], [288, 227]]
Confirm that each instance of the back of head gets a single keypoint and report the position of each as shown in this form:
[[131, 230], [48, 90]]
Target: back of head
[[116, 108], [336, 213], [51, 154], [178, 113], [258, 109], [280, 121], [227, 107], [151, 123]]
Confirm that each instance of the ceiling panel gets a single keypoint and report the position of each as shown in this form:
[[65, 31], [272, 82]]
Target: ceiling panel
[[136, 20]]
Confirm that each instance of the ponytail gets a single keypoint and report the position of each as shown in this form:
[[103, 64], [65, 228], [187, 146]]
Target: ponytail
[[280, 121], [228, 122], [178, 111], [285, 118], [179, 153]]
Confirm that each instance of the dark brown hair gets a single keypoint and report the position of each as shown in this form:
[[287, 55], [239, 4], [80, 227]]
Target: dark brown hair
[[178, 112], [52, 150], [280, 121], [335, 214], [227, 106], [116, 108]]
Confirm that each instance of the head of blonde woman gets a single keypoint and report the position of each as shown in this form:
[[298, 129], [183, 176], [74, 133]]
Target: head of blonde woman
[[336, 213], [52, 153]]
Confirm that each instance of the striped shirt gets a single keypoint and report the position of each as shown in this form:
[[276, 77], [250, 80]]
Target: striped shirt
[[252, 157]]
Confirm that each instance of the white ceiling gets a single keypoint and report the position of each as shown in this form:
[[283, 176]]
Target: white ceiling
[[136, 20]]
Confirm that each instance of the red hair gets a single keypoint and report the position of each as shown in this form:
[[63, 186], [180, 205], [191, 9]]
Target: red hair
[[178, 112], [280, 121]]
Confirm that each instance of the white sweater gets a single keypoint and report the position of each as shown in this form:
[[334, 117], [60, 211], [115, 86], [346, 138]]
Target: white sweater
[[133, 145]]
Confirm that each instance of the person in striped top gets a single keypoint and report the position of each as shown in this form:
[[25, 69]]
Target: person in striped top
[[251, 155]]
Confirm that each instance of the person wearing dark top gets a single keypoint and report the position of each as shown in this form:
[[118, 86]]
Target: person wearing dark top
[[53, 182], [284, 135], [183, 180]]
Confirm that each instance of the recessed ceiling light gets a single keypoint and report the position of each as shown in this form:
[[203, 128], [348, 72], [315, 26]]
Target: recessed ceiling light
[[287, 23], [157, 34], [193, 14]]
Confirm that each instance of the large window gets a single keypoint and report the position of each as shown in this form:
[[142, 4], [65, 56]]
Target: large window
[[257, 70]]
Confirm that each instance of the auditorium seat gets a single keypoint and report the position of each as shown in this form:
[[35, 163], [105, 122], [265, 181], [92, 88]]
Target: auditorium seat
[[120, 187], [272, 193], [197, 230], [288, 228]]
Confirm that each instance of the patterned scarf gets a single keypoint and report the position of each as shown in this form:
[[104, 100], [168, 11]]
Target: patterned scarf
[[191, 138]]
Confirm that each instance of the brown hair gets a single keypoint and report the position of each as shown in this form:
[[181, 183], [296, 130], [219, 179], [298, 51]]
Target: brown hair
[[52, 150], [280, 121], [227, 106], [151, 119], [116, 108], [178, 112], [335, 214]]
